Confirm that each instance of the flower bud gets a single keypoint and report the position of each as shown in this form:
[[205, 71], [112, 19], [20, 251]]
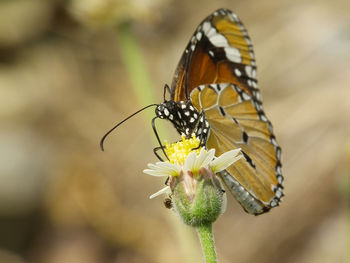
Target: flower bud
[[198, 199]]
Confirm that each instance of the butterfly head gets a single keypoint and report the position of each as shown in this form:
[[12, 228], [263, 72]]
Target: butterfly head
[[167, 110], [182, 114]]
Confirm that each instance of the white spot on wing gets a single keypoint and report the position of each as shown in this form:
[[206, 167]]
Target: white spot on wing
[[280, 179], [258, 106], [263, 117], [234, 17], [273, 203], [199, 35], [248, 41], [279, 193], [218, 40], [258, 96], [245, 96], [206, 27], [278, 170], [273, 140], [223, 85], [233, 54], [238, 72], [254, 73], [248, 70], [279, 154]]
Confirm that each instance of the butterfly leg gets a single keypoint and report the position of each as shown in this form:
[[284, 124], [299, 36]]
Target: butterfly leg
[[202, 131], [155, 150], [158, 139]]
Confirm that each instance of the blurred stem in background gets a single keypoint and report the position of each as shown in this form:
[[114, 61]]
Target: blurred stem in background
[[137, 71], [144, 91]]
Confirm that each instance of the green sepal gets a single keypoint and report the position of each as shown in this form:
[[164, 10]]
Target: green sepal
[[203, 208]]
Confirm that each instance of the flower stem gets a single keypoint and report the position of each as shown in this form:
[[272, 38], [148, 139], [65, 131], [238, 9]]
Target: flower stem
[[206, 237]]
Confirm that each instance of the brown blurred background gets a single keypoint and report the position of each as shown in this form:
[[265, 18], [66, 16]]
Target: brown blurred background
[[63, 83]]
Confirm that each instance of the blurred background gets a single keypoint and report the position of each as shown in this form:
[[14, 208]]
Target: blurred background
[[67, 76]]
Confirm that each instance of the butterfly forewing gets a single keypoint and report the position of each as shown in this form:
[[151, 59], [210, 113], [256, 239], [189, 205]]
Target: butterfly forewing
[[217, 74], [219, 51]]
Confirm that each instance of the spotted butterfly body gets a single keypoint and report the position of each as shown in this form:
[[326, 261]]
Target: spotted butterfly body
[[214, 95]]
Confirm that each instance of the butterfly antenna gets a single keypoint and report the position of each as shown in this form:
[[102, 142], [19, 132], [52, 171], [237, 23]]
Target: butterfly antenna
[[120, 123]]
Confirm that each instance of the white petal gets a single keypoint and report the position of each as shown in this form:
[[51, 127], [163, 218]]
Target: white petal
[[155, 172], [190, 161], [173, 169], [165, 190], [199, 160], [225, 160], [162, 169], [208, 158]]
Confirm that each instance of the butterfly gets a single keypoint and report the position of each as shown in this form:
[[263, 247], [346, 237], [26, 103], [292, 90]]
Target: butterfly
[[214, 94]]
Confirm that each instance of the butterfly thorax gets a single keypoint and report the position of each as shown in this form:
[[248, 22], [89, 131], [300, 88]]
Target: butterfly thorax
[[185, 118]]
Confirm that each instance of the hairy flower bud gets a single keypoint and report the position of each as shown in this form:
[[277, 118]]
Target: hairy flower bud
[[198, 200]]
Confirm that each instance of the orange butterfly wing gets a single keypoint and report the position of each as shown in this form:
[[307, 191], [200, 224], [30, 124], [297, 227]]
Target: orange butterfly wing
[[235, 122], [217, 73], [220, 51]]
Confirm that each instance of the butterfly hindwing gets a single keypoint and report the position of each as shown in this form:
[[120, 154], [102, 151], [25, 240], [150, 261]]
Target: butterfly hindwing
[[237, 121]]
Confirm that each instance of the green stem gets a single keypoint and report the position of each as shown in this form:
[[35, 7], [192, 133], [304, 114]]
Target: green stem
[[206, 237], [137, 70]]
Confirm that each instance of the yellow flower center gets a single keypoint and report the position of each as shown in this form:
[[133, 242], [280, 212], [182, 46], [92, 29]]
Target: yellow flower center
[[178, 151]]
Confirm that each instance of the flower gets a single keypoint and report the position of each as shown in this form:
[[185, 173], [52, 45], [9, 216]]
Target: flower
[[183, 160], [196, 192]]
